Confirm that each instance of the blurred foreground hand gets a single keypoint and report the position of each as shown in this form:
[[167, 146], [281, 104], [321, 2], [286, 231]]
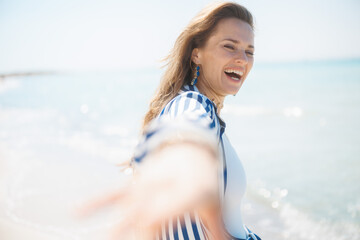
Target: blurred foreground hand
[[170, 181]]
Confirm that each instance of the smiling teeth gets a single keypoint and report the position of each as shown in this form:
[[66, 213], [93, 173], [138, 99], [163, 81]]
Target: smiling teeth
[[234, 71]]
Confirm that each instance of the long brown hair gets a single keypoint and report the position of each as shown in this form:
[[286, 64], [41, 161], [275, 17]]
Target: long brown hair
[[178, 62]]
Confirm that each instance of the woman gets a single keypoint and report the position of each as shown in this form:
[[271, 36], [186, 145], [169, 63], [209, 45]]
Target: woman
[[189, 182]]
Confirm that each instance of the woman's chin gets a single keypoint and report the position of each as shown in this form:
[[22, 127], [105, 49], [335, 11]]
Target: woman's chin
[[233, 90]]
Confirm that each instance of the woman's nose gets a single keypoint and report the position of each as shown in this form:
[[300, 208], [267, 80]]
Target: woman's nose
[[241, 58]]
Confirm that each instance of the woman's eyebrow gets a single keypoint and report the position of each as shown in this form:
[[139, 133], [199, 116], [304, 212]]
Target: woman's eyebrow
[[236, 41]]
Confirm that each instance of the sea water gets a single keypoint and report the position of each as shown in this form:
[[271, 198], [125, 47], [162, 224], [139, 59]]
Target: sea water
[[294, 126]]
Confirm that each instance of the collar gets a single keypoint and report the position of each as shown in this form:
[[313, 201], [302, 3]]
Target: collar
[[187, 87]]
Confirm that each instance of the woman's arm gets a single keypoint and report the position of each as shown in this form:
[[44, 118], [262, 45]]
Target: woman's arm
[[176, 177], [176, 167]]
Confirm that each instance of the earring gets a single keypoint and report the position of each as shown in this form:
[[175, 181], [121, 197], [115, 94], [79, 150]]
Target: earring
[[196, 75]]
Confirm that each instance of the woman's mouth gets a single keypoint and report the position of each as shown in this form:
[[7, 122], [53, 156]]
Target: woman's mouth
[[234, 74]]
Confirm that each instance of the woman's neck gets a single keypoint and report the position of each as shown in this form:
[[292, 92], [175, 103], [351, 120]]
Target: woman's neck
[[211, 94]]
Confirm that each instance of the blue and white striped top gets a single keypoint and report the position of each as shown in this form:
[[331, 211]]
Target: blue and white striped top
[[192, 112]]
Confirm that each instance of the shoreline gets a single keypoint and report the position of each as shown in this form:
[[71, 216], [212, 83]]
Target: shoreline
[[24, 74]]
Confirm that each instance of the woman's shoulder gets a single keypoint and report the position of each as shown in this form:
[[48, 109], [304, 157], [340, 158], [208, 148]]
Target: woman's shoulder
[[192, 94], [189, 101]]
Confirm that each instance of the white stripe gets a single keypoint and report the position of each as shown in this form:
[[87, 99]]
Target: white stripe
[[170, 229], [192, 104], [205, 122], [171, 111], [170, 107], [163, 232], [181, 237], [166, 108], [198, 225], [188, 226], [181, 106]]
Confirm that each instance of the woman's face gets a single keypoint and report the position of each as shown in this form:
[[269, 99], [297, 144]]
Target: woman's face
[[227, 57]]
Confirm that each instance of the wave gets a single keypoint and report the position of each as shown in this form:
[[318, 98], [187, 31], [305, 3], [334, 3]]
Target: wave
[[275, 211], [41, 194], [34, 127], [237, 110], [245, 110], [299, 225]]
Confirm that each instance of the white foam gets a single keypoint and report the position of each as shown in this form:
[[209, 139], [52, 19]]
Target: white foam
[[6, 85], [245, 110], [293, 112], [237, 110], [297, 225], [115, 130], [98, 148], [42, 195]]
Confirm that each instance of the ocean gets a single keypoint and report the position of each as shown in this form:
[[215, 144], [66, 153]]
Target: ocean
[[294, 126]]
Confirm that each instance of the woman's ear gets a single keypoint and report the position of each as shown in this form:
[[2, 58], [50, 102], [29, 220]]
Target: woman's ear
[[195, 56]]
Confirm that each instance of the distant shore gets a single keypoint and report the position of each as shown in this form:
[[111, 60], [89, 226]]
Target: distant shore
[[23, 74]]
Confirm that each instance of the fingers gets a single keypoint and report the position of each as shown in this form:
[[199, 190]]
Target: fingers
[[167, 186], [96, 204], [134, 230]]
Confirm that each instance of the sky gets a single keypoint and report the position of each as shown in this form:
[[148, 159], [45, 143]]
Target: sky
[[43, 35]]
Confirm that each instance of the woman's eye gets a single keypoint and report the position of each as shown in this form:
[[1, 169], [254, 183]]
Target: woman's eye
[[250, 53], [229, 47]]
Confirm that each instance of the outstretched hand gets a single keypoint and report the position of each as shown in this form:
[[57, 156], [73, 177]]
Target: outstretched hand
[[171, 180]]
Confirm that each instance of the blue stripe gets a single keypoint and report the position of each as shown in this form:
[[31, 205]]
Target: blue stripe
[[162, 112], [183, 228], [139, 158], [208, 110], [189, 94], [200, 99], [212, 125], [149, 134], [194, 227], [225, 167], [225, 177], [170, 104], [175, 229]]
